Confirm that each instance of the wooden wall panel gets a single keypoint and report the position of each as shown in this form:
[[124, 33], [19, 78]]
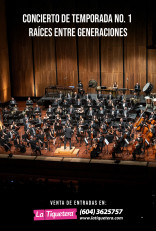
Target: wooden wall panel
[[152, 68], [44, 63], [135, 50], [89, 61], [111, 61], [67, 74], [21, 62], [5, 89]]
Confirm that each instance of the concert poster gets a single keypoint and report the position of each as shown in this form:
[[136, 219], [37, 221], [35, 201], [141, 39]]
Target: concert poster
[[92, 47]]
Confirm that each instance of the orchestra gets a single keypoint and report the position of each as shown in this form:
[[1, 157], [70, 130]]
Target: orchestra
[[100, 118]]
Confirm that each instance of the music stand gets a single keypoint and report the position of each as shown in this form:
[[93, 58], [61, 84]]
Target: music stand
[[127, 142], [107, 142], [86, 144]]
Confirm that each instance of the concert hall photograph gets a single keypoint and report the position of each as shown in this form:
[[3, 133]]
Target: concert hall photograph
[[77, 112]]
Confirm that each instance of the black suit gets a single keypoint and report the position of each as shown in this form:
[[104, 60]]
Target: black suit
[[68, 136]]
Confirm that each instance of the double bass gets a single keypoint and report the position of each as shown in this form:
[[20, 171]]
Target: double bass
[[137, 124]]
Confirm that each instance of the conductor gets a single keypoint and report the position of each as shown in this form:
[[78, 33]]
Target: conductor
[[68, 135]]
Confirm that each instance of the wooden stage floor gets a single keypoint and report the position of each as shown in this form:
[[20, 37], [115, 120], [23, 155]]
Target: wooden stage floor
[[82, 150]]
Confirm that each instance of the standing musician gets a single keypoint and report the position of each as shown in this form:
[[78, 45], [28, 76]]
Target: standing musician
[[68, 136], [34, 145], [137, 88]]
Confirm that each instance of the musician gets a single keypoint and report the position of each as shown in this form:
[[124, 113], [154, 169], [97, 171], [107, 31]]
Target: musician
[[92, 133], [65, 103], [53, 134], [121, 125], [71, 110], [68, 136], [115, 85], [90, 112], [60, 95], [56, 102], [137, 88], [78, 102], [99, 103], [50, 109], [14, 108], [87, 96], [92, 124], [26, 125], [79, 133], [32, 130], [110, 96], [99, 95], [113, 113], [80, 87], [122, 97], [59, 110], [125, 112], [110, 103], [29, 101], [101, 111], [89, 103], [137, 146], [37, 109], [100, 141], [34, 146], [134, 100], [12, 102]]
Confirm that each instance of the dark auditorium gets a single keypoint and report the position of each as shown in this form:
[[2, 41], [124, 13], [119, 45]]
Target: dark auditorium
[[77, 112]]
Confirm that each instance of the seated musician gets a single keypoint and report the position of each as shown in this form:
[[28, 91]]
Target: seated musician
[[124, 103], [99, 103], [12, 102], [29, 101], [71, 109], [87, 97], [68, 117], [104, 128], [32, 130], [121, 125], [37, 109], [90, 112], [99, 95], [75, 96], [134, 100], [115, 85], [60, 95], [110, 96], [113, 113], [137, 88], [56, 102], [79, 133], [65, 103], [59, 110], [92, 133], [101, 111], [78, 102], [137, 146], [122, 97], [89, 102], [50, 109], [14, 108]]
